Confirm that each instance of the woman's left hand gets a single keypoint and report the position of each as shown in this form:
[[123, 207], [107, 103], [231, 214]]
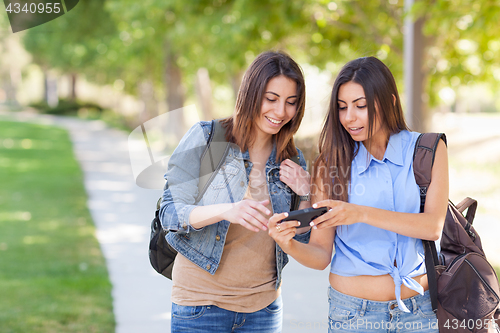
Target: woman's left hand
[[282, 232], [339, 213], [295, 177]]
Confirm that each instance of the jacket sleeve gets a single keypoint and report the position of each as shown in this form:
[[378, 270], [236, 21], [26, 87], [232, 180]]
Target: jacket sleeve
[[303, 238], [182, 176]]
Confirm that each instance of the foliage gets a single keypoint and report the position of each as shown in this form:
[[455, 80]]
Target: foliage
[[4, 25], [86, 110], [74, 43], [464, 43], [344, 30], [53, 277], [133, 41], [67, 107], [224, 36], [221, 35]]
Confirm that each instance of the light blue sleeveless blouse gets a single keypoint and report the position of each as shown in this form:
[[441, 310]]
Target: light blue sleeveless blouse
[[361, 249]]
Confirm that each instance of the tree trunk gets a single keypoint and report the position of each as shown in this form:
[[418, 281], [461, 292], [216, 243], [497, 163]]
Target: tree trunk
[[45, 86], [150, 104], [204, 93], [415, 73], [72, 92], [51, 96], [175, 96], [11, 76], [236, 82], [11, 87]]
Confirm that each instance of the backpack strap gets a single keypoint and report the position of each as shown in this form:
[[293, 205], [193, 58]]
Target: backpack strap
[[423, 160], [471, 206], [212, 157], [295, 202]]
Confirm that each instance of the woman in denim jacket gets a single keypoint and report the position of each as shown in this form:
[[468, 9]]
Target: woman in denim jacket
[[226, 277], [364, 175]]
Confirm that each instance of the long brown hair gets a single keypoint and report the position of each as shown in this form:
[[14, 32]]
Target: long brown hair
[[240, 126], [337, 149]]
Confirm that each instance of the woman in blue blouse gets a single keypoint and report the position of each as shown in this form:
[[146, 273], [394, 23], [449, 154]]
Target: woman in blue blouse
[[364, 175]]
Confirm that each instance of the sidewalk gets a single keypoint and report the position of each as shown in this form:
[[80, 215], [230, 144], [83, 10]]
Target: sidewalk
[[122, 213], [474, 160]]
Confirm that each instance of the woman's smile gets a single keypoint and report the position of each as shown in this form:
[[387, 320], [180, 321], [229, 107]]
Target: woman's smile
[[275, 122]]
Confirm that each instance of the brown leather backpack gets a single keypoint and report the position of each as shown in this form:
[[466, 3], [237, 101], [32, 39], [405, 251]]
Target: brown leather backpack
[[463, 286]]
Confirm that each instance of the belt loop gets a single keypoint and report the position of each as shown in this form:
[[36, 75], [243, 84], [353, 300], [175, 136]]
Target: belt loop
[[414, 305], [363, 307]]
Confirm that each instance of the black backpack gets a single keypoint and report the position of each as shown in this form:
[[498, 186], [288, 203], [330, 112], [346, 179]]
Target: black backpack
[[161, 254], [463, 286]]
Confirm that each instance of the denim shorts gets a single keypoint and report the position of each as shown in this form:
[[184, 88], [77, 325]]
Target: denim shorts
[[210, 318], [351, 314]]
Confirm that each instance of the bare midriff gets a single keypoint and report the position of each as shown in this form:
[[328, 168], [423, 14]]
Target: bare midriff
[[379, 288]]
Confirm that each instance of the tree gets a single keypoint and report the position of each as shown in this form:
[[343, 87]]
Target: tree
[[156, 47], [343, 30], [72, 43], [465, 43], [221, 36], [9, 69], [462, 42]]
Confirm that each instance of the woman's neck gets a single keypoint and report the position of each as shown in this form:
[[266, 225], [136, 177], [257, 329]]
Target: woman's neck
[[262, 141], [260, 149], [377, 146]]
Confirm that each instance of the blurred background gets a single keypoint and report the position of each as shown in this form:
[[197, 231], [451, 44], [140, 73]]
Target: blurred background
[[122, 63], [133, 60]]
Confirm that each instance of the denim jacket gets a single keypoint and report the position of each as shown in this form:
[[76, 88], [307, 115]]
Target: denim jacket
[[204, 246]]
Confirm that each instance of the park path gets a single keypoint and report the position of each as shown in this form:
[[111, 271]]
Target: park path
[[474, 166], [122, 212]]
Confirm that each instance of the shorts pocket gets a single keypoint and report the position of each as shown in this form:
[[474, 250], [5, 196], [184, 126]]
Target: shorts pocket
[[425, 310], [341, 312], [342, 315], [187, 312]]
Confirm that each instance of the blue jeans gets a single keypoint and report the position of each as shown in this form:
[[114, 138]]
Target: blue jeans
[[210, 318], [352, 314]]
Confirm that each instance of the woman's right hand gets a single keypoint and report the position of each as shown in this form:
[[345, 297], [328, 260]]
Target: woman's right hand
[[251, 214]]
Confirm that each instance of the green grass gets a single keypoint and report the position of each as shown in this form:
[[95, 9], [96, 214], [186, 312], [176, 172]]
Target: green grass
[[53, 277]]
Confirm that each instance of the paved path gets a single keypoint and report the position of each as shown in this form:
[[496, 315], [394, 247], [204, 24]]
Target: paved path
[[474, 154], [122, 212]]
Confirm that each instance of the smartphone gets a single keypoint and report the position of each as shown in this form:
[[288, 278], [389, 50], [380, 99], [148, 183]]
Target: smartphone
[[305, 216]]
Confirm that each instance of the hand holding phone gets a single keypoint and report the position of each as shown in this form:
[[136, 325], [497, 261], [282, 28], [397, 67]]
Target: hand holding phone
[[305, 216]]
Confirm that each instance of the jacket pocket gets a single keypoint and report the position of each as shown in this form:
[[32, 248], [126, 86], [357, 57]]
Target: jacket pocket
[[224, 176]]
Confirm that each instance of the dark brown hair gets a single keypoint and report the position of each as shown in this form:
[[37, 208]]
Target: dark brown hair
[[240, 126], [337, 149]]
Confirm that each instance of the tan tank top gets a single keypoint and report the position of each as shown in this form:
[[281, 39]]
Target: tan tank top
[[246, 278]]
